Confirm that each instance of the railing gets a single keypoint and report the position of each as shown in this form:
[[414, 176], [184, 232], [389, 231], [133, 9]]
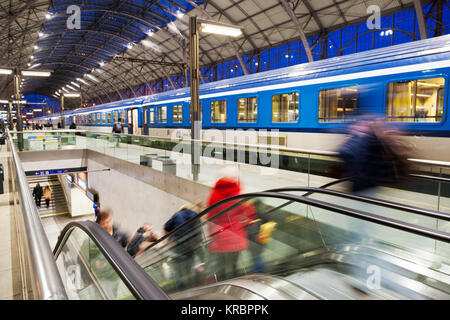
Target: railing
[[312, 168], [45, 281], [298, 234]]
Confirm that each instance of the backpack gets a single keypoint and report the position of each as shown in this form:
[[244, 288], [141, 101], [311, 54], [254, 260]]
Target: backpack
[[117, 127]]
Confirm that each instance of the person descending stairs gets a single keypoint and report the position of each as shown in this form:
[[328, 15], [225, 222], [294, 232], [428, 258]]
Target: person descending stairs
[[58, 203]]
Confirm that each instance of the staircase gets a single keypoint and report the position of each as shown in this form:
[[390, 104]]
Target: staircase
[[58, 204]]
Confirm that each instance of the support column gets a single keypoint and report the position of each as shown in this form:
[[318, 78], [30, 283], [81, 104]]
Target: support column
[[420, 19], [18, 98], [195, 97], [62, 112], [10, 118]]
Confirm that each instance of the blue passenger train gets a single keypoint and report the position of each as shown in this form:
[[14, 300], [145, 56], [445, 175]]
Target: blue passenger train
[[309, 105]]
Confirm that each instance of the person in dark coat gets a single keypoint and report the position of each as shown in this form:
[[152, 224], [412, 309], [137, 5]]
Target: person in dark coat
[[37, 194], [188, 243], [371, 157]]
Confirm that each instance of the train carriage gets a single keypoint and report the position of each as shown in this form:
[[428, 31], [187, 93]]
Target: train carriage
[[307, 105]]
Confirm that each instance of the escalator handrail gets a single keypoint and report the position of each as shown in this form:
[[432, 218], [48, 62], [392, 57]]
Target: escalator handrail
[[389, 222], [47, 283], [134, 277], [380, 202]]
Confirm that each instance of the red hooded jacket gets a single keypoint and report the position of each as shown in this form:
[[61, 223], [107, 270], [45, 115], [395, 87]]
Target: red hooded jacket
[[228, 230]]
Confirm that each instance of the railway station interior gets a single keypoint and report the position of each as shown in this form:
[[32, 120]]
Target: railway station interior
[[225, 150]]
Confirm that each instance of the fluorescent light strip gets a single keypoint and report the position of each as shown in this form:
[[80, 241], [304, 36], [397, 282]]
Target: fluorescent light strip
[[6, 71], [220, 30], [36, 73]]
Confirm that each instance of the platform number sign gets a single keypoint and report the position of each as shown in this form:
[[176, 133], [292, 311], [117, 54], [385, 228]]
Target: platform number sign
[[74, 19], [374, 19]]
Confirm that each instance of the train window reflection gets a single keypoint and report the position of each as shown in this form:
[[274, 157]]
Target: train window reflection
[[116, 116], [416, 100], [122, 116], [285, 107], [247, 109], [109, 117], [219, 111], [104, 117], [177, 113], [337, 105]]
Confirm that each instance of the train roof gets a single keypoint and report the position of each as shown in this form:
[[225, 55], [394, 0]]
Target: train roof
[[417, 52]]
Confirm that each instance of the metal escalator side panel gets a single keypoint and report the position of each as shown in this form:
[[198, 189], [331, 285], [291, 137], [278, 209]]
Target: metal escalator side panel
[[84, 250]]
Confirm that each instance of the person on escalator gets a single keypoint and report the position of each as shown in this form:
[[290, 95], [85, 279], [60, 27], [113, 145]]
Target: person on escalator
[[105, 220], [143, 238], [105, 274], [188, 244], [228, 230]]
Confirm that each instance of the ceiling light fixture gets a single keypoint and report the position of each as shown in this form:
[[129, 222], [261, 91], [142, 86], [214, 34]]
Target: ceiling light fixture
[[220, 29], [28, 73]]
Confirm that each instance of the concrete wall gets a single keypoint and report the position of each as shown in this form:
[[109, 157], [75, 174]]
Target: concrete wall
[[77, 201], [50, 160], [139, 194]]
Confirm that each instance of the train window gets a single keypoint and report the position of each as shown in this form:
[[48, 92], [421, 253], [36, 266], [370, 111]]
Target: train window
[[122, 116], [177, 114], [104, 117], [247, 109], [152, 115], [145, 116], [219, 111], [162, 114], [99, 118], [116, 116], [109, 117], [285, 107], [89, 119], [416, 100], [337, 105]]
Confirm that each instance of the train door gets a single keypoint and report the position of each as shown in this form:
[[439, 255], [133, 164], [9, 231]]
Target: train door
[[135, 122], [145, 120]]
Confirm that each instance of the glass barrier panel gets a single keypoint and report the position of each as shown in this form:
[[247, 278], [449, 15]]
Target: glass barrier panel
[[86, 273]]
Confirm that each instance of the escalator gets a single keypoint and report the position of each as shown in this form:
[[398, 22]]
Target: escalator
[[93, 266], [319, 249]]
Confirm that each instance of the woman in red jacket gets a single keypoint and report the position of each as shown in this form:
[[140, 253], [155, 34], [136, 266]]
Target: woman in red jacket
[[227, 231]]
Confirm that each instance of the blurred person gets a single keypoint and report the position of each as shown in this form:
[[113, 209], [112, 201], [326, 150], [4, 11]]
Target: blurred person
[[105, 220], [37, 194], [2, 126], [371, 155], [141, 240], [188, 244], [96, 207], [47, 195], [59, 125], [117, 127], [227, 231], [259, 231], [73, 126], [104, 273], [372, 158]]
